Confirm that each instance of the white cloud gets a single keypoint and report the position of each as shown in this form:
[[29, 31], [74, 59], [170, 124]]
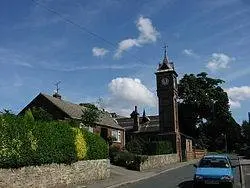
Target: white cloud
[[189, 52], [99, 51], [132, 90], [147, 34], [128, 92], [237, 95], [234, 104], [219, 61], [125, 45]]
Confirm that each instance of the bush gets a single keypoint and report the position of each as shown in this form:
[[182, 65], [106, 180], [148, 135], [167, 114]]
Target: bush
[[129, 160], [136, 162], [113, 151], [140, 147], [80, 144], [159, 148], [27, 142], [97, 147], [123, 158], [136, 146]]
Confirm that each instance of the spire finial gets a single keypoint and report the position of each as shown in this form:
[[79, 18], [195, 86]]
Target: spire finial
[[144, 113], [165, 51]]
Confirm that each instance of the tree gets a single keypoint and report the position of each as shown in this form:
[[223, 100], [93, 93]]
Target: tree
[[204, 111], [246, 132], [90, 115]]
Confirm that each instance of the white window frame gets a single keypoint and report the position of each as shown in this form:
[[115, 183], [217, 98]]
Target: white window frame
[[116, 134]]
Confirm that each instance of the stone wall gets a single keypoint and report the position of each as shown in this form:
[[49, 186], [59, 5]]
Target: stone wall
[[159, 161], [55, 174]]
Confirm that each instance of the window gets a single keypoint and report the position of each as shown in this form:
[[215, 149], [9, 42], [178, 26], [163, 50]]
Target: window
[[214, 163], [116, 134]]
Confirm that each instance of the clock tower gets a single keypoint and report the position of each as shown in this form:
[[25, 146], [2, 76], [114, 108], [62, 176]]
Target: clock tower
[[167, 92], [166, 80]]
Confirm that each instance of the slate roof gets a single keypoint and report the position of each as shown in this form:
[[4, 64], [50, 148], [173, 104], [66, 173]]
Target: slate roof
[[72, 110], [150, 126], [75, 111]]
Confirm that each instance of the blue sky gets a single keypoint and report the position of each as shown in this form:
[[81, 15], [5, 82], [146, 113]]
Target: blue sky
[[116, 57]]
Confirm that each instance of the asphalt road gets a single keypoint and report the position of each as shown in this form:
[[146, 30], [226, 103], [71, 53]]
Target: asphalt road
[[180, 178]]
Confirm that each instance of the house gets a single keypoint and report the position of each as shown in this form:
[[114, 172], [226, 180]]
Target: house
[[60, 109]]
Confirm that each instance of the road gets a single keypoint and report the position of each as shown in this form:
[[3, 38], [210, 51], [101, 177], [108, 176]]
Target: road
[[180, 178]]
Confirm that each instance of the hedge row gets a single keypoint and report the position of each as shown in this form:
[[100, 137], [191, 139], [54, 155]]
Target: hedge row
[[25, 142], [126, 159], [142, 147]]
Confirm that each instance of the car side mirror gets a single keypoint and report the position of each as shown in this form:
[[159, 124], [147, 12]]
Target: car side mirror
[[195, 165]]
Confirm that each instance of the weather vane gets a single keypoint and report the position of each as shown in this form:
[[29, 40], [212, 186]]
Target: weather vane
[[57, 86]]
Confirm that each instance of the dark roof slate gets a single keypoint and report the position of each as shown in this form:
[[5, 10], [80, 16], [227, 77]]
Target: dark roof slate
[[150, 126], [75, 111]]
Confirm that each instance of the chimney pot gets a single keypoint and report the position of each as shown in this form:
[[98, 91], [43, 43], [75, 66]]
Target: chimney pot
[[56, 95]]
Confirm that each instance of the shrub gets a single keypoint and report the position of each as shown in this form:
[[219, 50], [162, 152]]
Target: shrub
[[129, 160], [80, 144], [123, 158], [56, 143], [140, 147], [159, 148], [136, 162], [136, 146], [111, 140], [97, 147], [27, 142], [113, 151]]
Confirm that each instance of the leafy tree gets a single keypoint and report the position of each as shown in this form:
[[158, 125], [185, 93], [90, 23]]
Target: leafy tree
[[90, 115], [246, 132], [204, 112], [7, 112]]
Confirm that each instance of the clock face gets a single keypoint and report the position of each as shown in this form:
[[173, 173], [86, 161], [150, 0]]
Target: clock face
[[164, 81]]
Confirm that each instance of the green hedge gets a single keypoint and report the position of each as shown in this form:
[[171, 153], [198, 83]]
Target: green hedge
[[129, 160], [27, 142], [159, 148], [97, 146], [141, 147]]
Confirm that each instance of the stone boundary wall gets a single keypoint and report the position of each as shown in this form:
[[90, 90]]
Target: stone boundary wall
[[156, 161], [55, 174]]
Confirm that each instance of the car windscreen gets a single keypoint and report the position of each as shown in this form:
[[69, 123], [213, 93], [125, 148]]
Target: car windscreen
[[214, 163]]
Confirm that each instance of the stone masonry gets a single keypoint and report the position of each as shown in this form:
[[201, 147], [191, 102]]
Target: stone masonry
[[157, 161], [55, 174]]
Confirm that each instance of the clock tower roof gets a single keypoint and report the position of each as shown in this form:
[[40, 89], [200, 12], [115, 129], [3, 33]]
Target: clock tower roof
[[166, 65]]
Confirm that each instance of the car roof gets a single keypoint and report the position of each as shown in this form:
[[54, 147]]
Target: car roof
[[216, 156]]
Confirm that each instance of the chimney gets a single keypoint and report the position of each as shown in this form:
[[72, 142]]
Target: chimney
[[135, 116], [56, 95]]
